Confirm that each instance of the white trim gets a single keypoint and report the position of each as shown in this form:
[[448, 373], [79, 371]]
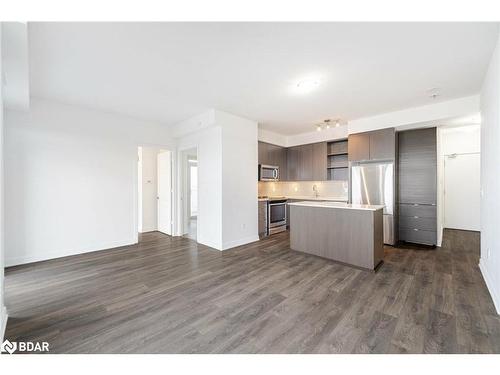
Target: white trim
[[242, 241], [5, 316], [64, 253], [494, 293]]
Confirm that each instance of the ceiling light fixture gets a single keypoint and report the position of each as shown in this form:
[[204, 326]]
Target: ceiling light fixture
[[326, 124], [307, 85]]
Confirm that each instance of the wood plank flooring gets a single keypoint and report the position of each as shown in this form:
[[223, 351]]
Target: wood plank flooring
[[171, 295]]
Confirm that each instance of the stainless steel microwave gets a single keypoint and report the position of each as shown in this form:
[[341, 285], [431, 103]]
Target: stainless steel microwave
[[269, 172]]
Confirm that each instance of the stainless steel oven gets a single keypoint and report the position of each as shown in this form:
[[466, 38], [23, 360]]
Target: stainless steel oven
[[276, 215], [269, 172]]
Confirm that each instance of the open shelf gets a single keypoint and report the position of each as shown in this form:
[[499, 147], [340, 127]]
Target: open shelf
[[337, 161], [338, 174]]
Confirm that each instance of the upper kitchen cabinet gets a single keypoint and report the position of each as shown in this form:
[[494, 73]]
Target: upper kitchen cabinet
[[298, 163], [383, 144], [305, 162], [319, 172], [359, 147], [292, 163], [263, 158], [374, 145], [273, 155], [281, 161]]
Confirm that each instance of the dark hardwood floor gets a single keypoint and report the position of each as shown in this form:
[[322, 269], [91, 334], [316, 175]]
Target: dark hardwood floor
[[170, 295]]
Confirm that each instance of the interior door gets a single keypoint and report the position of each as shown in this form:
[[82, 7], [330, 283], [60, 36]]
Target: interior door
[[462, 191], [164, 192]]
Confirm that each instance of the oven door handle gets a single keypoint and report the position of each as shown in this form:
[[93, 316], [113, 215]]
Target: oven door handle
[[277, 204]]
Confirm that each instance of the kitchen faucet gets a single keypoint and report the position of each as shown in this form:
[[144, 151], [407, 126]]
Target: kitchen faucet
[[315, 189]]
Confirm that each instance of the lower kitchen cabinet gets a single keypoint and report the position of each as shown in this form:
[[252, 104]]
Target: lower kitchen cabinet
[[418, 223], [425, 237]]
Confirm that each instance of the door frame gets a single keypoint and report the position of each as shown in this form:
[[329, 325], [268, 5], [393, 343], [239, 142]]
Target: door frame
[[190, 164], [162, 150], [136, 185], [181, 185], [445, 157]]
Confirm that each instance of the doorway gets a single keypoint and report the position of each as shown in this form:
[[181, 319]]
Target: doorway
[[190, 207], [154, 190], [462, 191]]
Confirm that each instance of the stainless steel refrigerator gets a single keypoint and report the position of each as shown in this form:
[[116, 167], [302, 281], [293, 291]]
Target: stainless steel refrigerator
[[373, 183]]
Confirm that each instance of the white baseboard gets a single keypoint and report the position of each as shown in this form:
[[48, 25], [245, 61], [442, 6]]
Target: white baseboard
[[4, 323], [15, 261], [239, 242], [492, 288]]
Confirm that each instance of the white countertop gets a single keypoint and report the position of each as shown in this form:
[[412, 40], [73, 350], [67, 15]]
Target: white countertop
[[311, 198], [348, 206]]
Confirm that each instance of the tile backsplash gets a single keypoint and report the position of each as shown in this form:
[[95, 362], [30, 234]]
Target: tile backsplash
[[335, 189]]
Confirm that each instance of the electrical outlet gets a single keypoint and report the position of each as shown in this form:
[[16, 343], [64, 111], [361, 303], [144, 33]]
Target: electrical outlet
[[243, 226]]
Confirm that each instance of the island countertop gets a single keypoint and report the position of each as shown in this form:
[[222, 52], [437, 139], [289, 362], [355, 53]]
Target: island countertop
[[341, 205], [347, 233]]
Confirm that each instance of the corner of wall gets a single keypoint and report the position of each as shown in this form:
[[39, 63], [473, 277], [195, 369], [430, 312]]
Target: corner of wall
[[3, 320], [492, 287]]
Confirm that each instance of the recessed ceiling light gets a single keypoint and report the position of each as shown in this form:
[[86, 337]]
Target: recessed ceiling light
[[433, 93]]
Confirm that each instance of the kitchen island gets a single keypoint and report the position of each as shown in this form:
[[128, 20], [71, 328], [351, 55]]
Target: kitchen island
[[348, 233]]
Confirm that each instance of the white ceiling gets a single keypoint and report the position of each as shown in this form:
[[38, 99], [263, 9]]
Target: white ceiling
[[171, 71]]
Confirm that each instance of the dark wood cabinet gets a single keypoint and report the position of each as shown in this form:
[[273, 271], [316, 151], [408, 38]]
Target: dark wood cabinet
[[269, 154], [417, 185], [320, 158], [383, 144], [374, 145], [293, 163], [359, 147], [305, 162], [263, 153], [417, 164], [298, 163]]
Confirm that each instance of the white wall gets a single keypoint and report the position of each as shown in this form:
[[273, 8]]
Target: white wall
[[453, 140], [15, 58], [239, 180], [313, 136], [149, 189], [208, 142], [227, 177], [71, 179], [433, 112], [3, 310], [490, 177], [272, 137], [424, 116]]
